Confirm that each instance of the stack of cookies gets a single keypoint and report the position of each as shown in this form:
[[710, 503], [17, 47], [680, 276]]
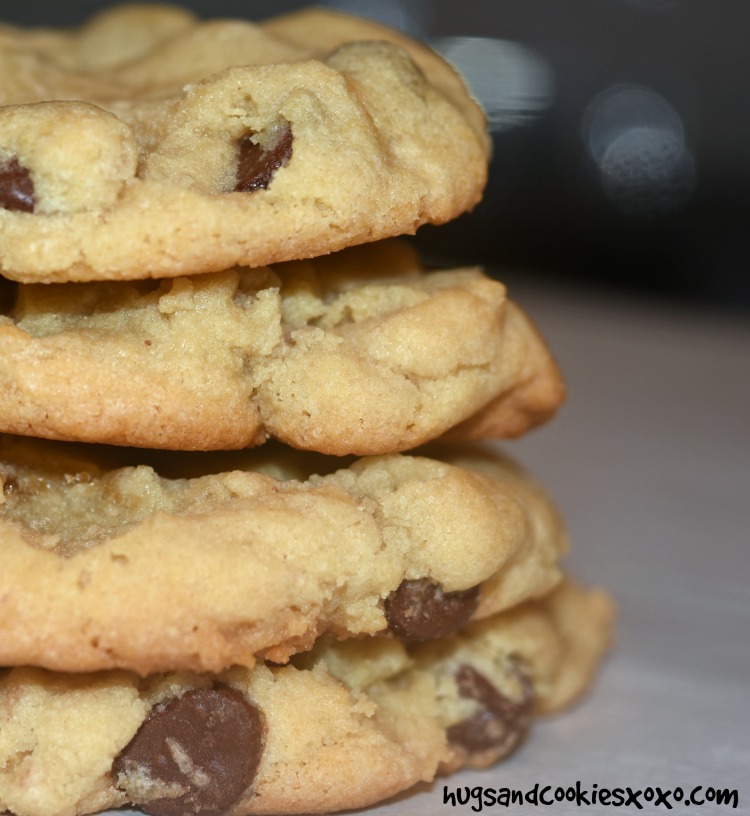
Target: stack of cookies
[[195, 225]]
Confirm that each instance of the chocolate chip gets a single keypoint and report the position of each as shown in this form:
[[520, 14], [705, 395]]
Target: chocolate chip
[[10, 485], [257, 164], [420, 610], [193, 756], [500, 723], [16, 187]]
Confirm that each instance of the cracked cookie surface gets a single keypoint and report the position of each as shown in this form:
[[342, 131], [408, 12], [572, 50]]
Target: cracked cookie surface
[[343, 726], [257, 556], [358, 352], [148, 144]]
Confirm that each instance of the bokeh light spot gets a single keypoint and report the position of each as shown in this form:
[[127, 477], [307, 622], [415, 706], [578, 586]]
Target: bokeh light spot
[[513, 83], [637, 140]]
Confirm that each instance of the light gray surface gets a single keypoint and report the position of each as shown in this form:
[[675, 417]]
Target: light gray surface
[[650, 462]]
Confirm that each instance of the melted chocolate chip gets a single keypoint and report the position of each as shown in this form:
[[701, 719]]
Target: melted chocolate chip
[[257, 164], [193, 756], [16, 187], [500, 723], [420, 610]]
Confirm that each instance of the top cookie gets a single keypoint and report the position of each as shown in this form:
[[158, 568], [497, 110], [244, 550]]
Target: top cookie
[[147, 144]]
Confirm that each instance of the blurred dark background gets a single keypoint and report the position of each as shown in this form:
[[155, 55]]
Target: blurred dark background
[[621, 131]]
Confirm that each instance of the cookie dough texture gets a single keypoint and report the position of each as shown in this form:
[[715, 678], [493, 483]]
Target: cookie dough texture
[[359, 352], [377, 716], [128, 569], [125, 139]]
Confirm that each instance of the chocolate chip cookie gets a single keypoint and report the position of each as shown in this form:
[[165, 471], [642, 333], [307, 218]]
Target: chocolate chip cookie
[[343, 726], [148, 144], [127, 568], [359, 352]]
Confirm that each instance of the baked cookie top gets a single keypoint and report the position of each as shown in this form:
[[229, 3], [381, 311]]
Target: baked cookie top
[[256, 556], [358, 352], [148, 144], [344, 726]]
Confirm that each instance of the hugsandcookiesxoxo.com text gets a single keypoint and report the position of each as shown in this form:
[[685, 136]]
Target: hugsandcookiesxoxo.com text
[[539, 795]]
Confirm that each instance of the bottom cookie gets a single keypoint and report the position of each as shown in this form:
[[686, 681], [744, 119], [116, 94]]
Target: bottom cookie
[[342, 726]]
